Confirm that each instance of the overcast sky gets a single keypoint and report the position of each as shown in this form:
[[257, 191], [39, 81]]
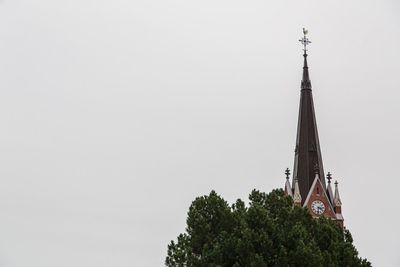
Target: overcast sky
[[115, 115]]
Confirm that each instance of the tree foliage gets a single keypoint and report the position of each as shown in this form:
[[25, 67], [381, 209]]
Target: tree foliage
[[269, 232]]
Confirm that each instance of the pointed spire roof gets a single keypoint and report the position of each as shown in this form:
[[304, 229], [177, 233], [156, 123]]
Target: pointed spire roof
[[307, 151], [329, 191], [288, 188], [305, 81], [337, 201], [296, 194]]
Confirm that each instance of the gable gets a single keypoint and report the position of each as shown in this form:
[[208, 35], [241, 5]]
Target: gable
[[317, 193]]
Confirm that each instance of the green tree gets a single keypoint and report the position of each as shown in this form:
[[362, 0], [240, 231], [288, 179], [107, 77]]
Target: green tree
[[269, 232]]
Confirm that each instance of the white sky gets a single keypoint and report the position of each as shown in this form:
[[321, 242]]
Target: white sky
[[115, 115]]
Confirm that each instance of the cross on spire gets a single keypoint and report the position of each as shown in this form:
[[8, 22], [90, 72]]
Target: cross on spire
[[329, 177], [305, 41], [287, 172]]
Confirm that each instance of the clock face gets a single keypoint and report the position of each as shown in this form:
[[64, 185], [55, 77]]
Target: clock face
[[318, 207]]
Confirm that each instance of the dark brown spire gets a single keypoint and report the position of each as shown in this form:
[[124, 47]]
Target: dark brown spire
[[305, 82], [308, 157]]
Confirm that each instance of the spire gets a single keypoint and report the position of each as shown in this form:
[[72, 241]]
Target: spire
[[307, 151], [296, 194], [329, 191], [305, 82], [336, 201], [288, 188]]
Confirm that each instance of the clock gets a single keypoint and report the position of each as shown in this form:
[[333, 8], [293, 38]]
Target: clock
[[317, 207]]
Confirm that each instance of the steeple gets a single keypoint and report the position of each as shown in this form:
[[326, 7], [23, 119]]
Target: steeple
[[309, 189], [307, 152]]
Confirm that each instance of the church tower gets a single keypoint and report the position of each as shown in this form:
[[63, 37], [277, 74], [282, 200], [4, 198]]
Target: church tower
[[308, 187]]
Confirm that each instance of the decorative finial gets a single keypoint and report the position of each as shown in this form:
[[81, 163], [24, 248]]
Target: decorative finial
[[287, 172], [336, 200], [329, 187], [305, 41], [329, 177]]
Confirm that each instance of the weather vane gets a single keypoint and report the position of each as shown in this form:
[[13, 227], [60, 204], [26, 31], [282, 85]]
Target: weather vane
[[305, 40]]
